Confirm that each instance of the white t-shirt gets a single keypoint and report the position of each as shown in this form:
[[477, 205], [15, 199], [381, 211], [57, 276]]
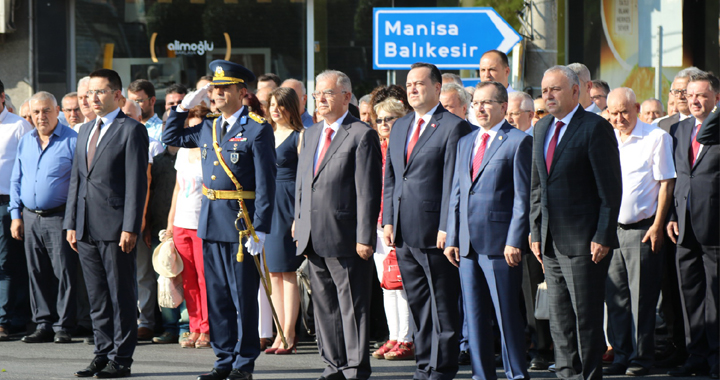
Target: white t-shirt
[[189, 199], [154, 149]]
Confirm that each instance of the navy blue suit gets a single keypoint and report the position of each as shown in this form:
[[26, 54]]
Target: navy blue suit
[[416, 199], [103, 201], [486, 213], [248, 148]]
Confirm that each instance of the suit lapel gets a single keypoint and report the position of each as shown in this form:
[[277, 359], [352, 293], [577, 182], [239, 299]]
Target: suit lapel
[[312, 140], [113, 130], [82, 143], [340, 136], [543, 126], [567, 136], [427, 132], [398, 150]]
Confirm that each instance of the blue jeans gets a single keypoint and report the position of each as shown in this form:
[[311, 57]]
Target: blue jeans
[[14, 301]]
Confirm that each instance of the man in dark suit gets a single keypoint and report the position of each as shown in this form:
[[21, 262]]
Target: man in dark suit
[[678, 91], [709, 133], [694, 227], [336, 204], [488, 226], [419, 169], [238, 164], [103, 217], [576, 194]]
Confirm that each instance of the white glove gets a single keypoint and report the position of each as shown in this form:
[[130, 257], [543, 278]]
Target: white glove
[[253, 247], [194, 98]]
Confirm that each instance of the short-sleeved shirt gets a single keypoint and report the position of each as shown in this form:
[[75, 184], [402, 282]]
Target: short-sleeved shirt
[[189, 199], [12, 128], [154, 127]]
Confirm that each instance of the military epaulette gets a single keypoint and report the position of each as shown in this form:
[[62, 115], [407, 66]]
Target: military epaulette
[[213, 115], [257, 117]]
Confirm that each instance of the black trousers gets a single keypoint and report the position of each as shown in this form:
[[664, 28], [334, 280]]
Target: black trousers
[[432, 285], [52, 270], [110, 280]]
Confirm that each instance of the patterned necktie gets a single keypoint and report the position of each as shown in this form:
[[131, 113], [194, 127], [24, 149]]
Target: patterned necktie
[[326, 145], [93, 144], [695, 149], [223, 130], [477, 160], [413, 140], [553, 144]]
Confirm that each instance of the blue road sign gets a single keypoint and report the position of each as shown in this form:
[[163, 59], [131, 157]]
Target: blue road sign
[[450, 38]]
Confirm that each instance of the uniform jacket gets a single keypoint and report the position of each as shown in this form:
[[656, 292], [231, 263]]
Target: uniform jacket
[[109, 198], [248, 149]]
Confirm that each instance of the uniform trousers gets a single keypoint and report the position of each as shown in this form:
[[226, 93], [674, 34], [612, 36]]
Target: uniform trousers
[[109, 277], [576, 296], [189, 246], [432, 285], [52, 270], [632, 291], [341, 305], [232, 289]]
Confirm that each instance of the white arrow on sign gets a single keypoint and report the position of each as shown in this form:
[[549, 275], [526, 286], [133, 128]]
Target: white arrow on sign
[[510, 36]]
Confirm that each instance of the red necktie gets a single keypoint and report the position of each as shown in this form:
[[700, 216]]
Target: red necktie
[[93, 144], [328, 140], [477, 160], [695, 147], [414, 139], [553, 144]]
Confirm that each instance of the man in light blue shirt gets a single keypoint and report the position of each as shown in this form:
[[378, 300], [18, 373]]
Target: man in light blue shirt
[[143, 92], [38, 193]]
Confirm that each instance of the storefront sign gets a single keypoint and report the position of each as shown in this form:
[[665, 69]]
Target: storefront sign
[[450, 38], [185, 48]]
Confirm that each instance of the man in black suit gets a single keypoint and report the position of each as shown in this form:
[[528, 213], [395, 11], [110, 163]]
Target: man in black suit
[[694, 227], [420, 164], [575, 200], [103, 217], [336, 206]]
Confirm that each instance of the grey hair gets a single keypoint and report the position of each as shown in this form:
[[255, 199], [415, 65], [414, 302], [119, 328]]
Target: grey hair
[[662, 107], [459, 90], [69, 95], [137, 110], [44, 95], [341, 79], [568, 73], [83, 81], [581, 70], [391, 105], [302, 85], [365, 99], [687, 73], [627, 92], [454, 77], [526, 101]]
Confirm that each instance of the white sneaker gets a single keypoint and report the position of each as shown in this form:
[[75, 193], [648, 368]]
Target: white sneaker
[[551, 368]]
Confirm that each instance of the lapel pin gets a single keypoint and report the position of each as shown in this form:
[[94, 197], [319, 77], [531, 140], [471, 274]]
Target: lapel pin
[[433, 125], [499, 137]]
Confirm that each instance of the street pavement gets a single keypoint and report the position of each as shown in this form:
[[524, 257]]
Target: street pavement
[[24, 361]]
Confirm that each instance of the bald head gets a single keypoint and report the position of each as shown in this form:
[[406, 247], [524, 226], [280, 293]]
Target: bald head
[[623, 109], [299, 88], [494, 67], [650, 110]]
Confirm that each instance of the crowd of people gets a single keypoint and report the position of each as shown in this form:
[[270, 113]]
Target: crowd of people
[[577, 231]]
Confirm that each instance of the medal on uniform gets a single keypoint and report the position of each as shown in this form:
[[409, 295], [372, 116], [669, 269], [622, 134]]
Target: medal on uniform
[[235, 146], [234, 157], [204, 153]]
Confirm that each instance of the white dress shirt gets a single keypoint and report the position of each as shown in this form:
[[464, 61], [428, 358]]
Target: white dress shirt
[[646, 158], [12, 128], [551, 130], [232, 119], [426, 120], [593, 108], [107, 120], [334, 126], [492, 132]]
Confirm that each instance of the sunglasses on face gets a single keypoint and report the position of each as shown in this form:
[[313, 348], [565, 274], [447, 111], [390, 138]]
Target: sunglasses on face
[[385, 120]]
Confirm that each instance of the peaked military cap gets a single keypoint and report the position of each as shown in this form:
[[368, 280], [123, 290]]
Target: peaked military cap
[[226, 72]]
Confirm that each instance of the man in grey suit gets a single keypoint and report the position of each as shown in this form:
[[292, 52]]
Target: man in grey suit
[[337, 203], [678, 91], [103, 215], [575, 201]]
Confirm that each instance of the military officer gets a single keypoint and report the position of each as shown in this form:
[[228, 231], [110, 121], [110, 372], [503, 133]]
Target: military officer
[[238, 165]]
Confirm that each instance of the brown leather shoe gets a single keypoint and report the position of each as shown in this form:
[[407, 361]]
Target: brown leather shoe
[[145, 333], [203, 341], [265, 343], [4, 334]]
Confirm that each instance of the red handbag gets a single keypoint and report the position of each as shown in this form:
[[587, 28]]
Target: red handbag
[[391, 279]]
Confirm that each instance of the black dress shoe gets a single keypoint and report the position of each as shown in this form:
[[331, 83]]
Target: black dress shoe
[[113, 370], [464, 358], [539, 363], [62, 337], [95, 366], [614, 369], [498, 361], [215, 374], [637, 370], [688, 370], [237, 374], [39, 336]]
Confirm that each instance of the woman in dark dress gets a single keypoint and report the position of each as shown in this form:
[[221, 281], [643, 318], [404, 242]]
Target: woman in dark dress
[[284, 116]]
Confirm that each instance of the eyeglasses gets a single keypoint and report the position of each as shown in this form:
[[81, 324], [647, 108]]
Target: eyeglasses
[[516, 114], [99, 92], [141, 101], [484, 103], [326, 93], [677, 92], [69, 110], [596, 97], [540, 112], [386, 120]]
